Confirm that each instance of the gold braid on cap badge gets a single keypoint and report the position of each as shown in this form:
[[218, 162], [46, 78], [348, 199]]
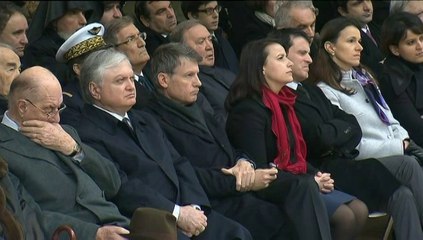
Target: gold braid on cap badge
[[84, 47]]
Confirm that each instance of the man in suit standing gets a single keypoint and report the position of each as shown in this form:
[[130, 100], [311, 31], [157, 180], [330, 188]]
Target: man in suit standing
[[153, 173], [68, 179]]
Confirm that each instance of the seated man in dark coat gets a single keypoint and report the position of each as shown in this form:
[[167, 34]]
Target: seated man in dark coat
[[69, 180], [157, 19], [153, 173], [207, 12], [197, 135], [73, 52], [215, 81]]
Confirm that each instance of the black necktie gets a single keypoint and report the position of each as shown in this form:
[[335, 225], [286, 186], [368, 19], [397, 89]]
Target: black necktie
[[146, 83], [129, 126], [303, 91]]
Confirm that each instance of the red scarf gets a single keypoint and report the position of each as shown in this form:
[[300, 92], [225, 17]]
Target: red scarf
[[279, 127]]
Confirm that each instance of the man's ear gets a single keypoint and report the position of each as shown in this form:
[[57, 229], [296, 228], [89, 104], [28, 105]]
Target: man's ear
[[22, 106], [163, 80], [394, 50], [95, 90], [192, 15], [145, 21], [341, 11], [76, 68]]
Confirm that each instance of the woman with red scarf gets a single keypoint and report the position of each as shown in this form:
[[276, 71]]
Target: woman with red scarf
[[262, 122]]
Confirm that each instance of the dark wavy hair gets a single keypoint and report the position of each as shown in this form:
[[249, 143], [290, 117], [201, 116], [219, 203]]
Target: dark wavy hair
[[323, 67], [250, 79], [394, 29]]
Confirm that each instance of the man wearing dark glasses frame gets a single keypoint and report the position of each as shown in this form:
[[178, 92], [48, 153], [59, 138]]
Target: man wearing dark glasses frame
[[207, 13]]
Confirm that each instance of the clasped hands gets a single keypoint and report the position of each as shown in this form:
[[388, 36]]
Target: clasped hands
[[325, 182], [248, 179], [48, 135], [191, 220]]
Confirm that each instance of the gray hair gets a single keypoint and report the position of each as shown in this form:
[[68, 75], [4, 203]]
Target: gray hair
[[397, 6], [167, 57], [177, 35], [114, 27], [94, 67], [283, 14]]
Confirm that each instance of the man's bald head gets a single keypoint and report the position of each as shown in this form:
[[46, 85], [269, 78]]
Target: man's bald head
[[35, 92]]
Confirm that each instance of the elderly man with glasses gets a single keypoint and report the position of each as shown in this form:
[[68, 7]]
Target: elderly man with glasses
[[207, 13], [69, 180], [125, 37]]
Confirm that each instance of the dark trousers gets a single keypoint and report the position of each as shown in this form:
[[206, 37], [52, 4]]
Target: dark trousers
[[264, 220], [299, 197]]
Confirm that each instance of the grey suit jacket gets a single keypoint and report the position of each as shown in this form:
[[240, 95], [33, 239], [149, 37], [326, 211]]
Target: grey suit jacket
[[67, 192], [379, 140]]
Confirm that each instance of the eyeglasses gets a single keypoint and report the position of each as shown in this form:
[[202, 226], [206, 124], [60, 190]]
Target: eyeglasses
[[210, 11], [132, 38], [50, 114]]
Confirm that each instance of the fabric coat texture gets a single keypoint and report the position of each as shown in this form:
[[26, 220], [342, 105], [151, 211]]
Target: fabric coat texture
[[208, 149], [67, 192], [378, 140], [153, 173]]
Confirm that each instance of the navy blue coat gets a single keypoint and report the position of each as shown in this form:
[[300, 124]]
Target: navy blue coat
[[153, 173]]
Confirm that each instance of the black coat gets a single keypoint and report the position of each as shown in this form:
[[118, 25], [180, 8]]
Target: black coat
[[402, 88], [216, 82], [371, 56], [153, 173], [42, 52], [249, 128], [224, 54], [209, 150], [72, 98], [331, 136]]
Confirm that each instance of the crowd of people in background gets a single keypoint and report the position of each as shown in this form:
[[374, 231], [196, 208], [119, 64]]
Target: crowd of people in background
[[232, 120]]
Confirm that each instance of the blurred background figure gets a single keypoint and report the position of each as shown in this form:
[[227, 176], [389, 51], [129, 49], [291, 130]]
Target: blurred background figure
[[157, 19], [207, 13], [413, 7], [10, 66], [13, 27], [53, 23]]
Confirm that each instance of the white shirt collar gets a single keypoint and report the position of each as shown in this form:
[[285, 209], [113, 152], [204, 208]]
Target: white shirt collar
[[9, 122], [293, 85], [117, 116]]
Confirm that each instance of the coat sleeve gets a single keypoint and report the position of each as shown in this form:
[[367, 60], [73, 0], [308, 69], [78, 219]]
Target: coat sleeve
[[102, 171], [133, 193]]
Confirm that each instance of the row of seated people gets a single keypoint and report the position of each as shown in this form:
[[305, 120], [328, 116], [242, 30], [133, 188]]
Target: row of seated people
[[138, 39], [55, 21], [103, 97]]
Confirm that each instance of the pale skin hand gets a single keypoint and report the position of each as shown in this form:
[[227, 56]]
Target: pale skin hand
[[244, 174], [325, 182], [263, 178], [111, 233], [48, 135], [191, 221]]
